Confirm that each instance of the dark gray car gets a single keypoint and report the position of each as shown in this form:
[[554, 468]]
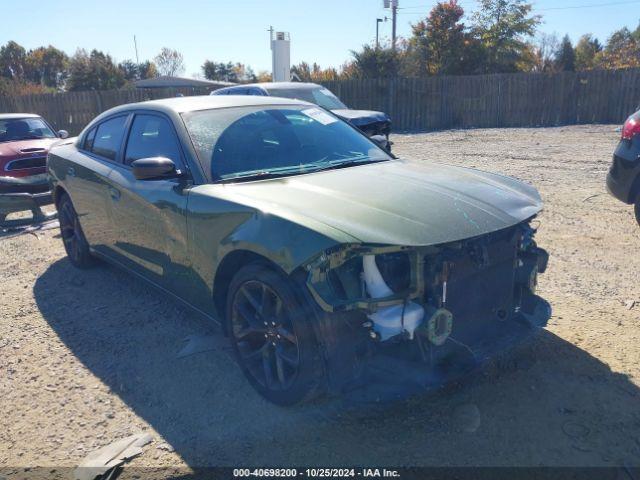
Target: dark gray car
[[370, 122]]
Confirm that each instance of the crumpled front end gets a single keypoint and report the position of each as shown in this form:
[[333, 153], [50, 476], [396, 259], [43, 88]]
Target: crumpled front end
[[420, 316]]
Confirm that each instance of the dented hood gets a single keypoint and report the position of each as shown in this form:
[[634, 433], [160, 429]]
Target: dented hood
[[399, 202]]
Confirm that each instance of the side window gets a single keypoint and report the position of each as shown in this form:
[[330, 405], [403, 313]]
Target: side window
[[88, 140], [108, 138], [152, 136]]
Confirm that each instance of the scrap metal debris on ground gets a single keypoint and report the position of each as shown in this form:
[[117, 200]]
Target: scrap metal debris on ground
[[6, 233], [197, 344], [102, 462]]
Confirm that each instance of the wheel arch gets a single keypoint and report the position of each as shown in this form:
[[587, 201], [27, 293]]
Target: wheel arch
[[58, 192], [230, 264], [634, 192]]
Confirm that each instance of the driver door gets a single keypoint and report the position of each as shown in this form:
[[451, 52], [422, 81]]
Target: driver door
[[150, 215]]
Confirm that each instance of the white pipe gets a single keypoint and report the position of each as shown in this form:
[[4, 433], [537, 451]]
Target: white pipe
[[389, 321], [376, 286]]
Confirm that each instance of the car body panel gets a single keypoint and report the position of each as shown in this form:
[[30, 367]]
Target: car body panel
[[150, 226], [623, 178], [399, 202], [11, 152], [84, 178]]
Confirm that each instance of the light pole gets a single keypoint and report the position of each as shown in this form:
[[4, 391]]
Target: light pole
[[393, 5], [378, 21]]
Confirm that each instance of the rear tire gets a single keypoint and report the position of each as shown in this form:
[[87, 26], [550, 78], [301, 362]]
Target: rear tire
[[75, 243], [636, 209], [271, 336]]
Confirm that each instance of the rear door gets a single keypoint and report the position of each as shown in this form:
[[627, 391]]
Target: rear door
[[150, 215], [87, 179]]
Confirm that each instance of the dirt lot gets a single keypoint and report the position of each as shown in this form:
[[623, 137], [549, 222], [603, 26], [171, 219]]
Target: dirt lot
[[90, 357]]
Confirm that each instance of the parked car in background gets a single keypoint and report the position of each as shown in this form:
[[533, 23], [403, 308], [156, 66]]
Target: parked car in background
[[330, 264], [623, 179], [25, 140], [370, 122]]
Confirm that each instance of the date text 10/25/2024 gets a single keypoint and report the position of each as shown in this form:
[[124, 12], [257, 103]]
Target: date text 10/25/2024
[[317, 472]]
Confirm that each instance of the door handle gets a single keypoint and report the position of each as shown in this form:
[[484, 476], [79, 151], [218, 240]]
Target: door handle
[[71, 172], [114, 193]]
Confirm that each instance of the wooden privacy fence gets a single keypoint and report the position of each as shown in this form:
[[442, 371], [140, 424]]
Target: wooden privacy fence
[[414, 104], [505, 100], [73, 110]]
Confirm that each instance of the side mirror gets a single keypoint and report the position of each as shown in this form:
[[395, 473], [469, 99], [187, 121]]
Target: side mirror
[[153, 168], [63, 134], [381, 141]]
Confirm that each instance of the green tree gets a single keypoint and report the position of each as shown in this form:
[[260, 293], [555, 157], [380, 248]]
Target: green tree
[[314, 73], [132, 71], [94, 71], [228, 72], [373, 62], [47, 66], [565, 60], [588, 49], [438, 45], [169, 62], [503, 27], [13, 58], [622, 50], [147, 69]]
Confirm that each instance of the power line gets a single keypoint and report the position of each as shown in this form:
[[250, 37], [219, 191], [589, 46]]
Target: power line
[[594, 5], [420, 8]]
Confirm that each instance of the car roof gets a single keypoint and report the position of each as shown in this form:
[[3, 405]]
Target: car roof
[[11, 116], [278, 86], [206, 102]]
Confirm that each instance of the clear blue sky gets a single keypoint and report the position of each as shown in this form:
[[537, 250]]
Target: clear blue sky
[[323, 31]]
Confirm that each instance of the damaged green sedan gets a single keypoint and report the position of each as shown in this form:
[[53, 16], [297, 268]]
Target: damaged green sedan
[[329, 264]]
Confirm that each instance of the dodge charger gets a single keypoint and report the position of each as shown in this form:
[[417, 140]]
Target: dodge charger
[[329, 264]]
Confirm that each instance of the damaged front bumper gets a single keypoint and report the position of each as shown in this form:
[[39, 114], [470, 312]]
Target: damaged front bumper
[[24, 194], [478, 297]]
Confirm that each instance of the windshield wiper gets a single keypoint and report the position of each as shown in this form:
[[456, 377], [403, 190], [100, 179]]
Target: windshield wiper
[[336, 164], [262, 174]]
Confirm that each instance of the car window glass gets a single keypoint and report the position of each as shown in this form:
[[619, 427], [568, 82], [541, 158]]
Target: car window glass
[[151, 136], [234, 141], [109, 137], [88, 141], [30, 128]]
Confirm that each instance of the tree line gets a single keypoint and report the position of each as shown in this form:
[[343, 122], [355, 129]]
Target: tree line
[[501, 36]]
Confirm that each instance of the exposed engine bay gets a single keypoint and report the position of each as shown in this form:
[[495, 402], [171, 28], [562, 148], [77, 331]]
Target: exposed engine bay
[[425, 308]]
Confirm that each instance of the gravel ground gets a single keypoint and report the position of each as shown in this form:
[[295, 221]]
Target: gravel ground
[[88, 357]]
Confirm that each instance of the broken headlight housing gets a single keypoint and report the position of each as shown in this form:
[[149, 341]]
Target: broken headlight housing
[[336, 283]]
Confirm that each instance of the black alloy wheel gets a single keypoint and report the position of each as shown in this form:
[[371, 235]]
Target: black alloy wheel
[[75, 243], [271, 337]]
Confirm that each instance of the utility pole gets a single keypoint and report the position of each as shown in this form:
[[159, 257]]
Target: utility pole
[[394, 18], [393, 4], [135, 44]]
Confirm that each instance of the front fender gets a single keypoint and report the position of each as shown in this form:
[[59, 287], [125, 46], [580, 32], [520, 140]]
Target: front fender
[[281, 241], [219, 225]]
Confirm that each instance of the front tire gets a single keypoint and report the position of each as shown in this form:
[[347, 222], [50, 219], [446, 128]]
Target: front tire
[[271, 336], [75, 243], [636, 209]]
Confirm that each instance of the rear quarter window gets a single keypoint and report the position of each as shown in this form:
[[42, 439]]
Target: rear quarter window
[[108, 137]]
